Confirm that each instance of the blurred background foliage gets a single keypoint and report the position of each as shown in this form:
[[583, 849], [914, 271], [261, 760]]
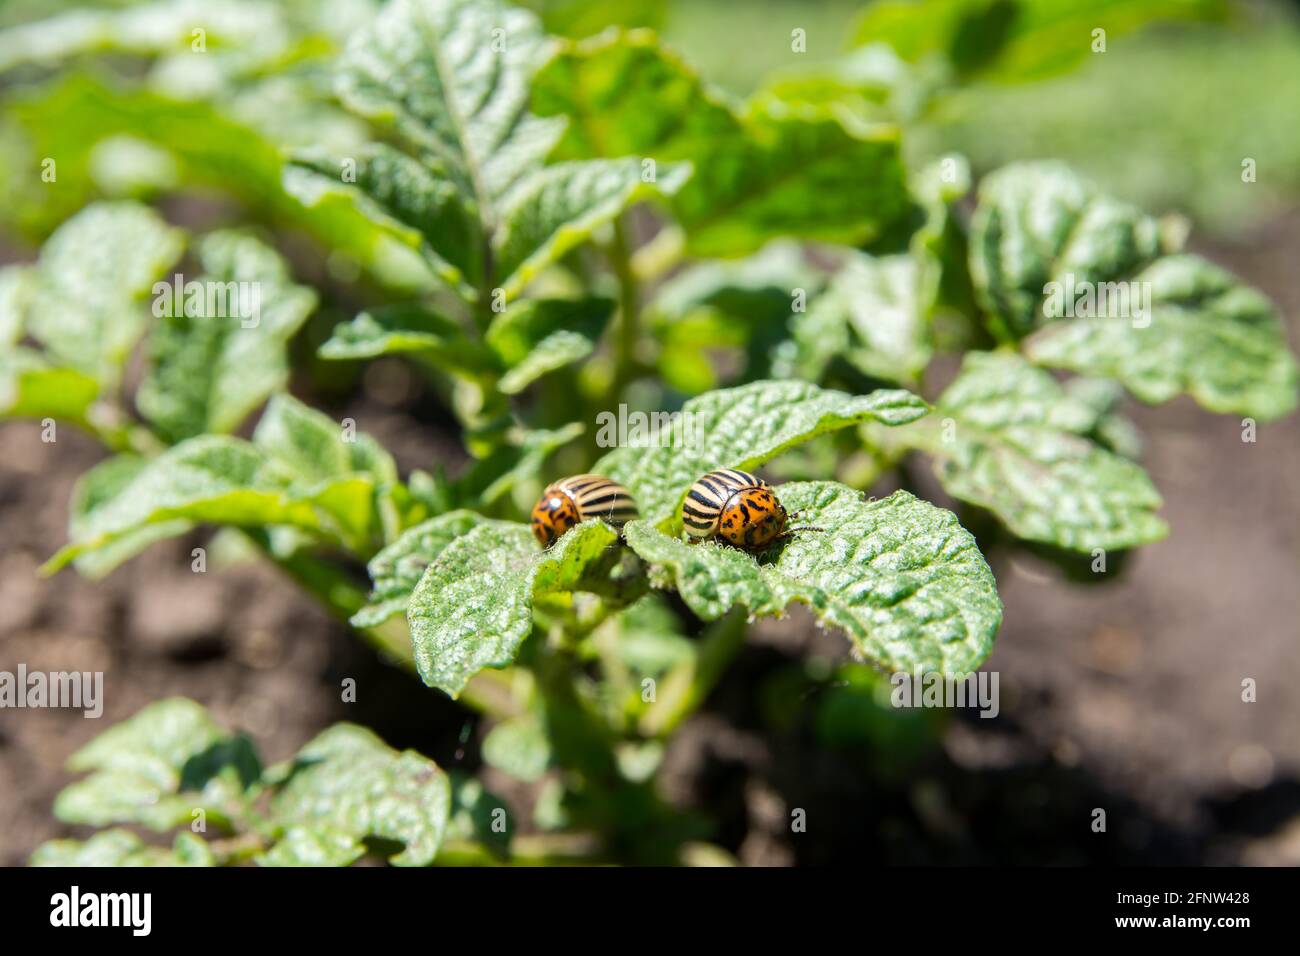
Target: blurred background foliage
[[1203, 83]]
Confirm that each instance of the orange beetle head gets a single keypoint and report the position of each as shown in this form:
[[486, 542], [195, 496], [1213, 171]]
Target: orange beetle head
[[752, 519], [552, 516]]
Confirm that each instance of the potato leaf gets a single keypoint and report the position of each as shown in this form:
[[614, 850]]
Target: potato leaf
[[453, 76], [742, 428], [1039, 223], [210, 371], [901, 577], [537, 336], [397, 569], [93, 490], [123, 848], [473, 606], [156, 768], [84, 304], [409, 328], [557, 208], [758, 176], [30, 387], [300, 471], [1014, 40], [873, 315], [406, 197], [1207, 334], [210, 478], [1007, 437], [347, 785]]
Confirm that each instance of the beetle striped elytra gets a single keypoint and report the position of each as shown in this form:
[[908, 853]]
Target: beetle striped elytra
[[577, 498], [735, 506]]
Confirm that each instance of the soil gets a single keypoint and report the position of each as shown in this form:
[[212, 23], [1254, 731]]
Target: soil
[[1124, 695]]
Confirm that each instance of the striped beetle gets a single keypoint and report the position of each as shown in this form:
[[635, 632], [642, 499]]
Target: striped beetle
[[737, 507], [566, 502]]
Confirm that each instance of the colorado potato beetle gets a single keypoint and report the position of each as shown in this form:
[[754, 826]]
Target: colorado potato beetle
[[566, 502], [737, 507]]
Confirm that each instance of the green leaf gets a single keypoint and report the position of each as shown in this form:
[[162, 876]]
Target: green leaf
[[518, 747], [341, 471], [409, 328], [96, 488], [157, 768], [474, 814], [1205, 334], [537, 336], [212, 478], [578, 18], [210, 149], [755, 289], [209, 371], [473, 606], [1039, 223], [559, 207], [397, 569], [154, 745], [32, 388], [123, 848], [901, 577], [873, 315], [756, 177], [412, 199], [83, 304], [314, 846], [453, 75], [317, 448], [813, 178], [870, 85], [742, 428], [1110, 428], [1014, 40], [477, 200], [1007, 437], [348, 783]]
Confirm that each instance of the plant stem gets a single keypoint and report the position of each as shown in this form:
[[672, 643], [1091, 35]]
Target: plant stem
[[660, 254], [688, 685], [629, 308]]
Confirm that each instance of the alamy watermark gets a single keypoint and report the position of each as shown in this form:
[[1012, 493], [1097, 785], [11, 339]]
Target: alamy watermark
[[1071, 298], [649, 430], [209, 299], [133, 911], [77, 690], [934, 689]]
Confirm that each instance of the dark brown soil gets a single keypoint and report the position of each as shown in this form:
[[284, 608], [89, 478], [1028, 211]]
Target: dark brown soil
[[1123, 695]]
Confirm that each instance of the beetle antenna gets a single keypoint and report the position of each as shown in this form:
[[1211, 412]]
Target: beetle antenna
[[794, 517]]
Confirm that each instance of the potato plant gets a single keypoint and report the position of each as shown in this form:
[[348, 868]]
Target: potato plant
[[550, 229]]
